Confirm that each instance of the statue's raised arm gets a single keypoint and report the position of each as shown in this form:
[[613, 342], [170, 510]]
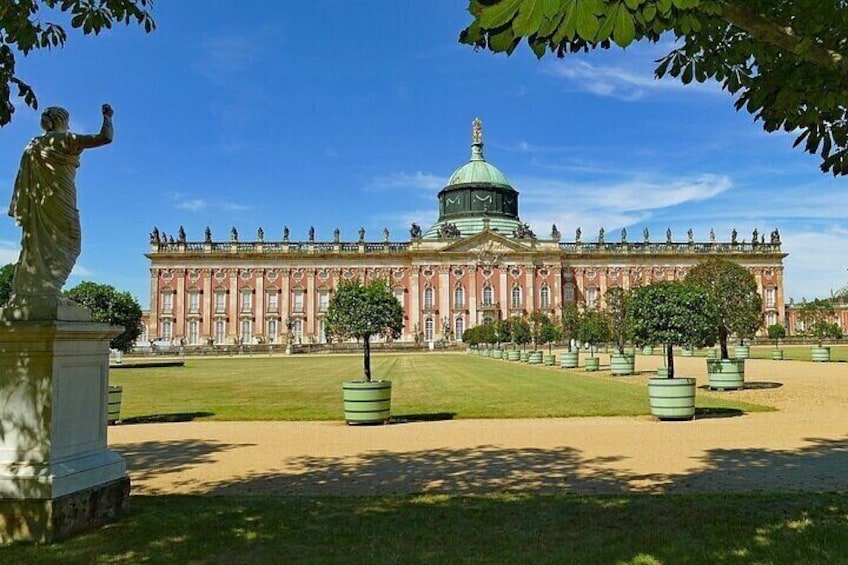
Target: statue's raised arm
[[44, 204]]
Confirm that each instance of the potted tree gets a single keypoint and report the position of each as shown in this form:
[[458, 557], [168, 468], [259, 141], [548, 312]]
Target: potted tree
[[776, 332], [673, 313], [593, 329], [570, 322], [621, 362], [361, 311], [489, 336], [733, 291], [537, 322], [504, 333], [816, 317], [521, 335], [471, 336]]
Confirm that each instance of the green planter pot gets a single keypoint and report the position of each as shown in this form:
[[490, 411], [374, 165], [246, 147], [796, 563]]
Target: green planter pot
[[672, 399], [550, 360], [569, 359], [648, 350], [592, 364], [662, 372], [629, 350], [688, 352], [726, 374], [525, 356], [367, 403], [487, 353], [497, 354], [113, 413], [513, 355], [622, 364], [712, 354], [777, 355], [742, 352], [535, 358], [820, 354], [469, 350]]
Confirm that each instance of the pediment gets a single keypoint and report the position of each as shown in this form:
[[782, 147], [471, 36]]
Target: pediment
[[487, 242]]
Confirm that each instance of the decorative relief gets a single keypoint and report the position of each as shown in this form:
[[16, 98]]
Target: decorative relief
[[220, 275], [515, 271], [272, 275], [167, 274], [458, 272], [323, 274], [246, 274], [427, 272], [298, 274], [591, 274], [398, 273], [487, 272]]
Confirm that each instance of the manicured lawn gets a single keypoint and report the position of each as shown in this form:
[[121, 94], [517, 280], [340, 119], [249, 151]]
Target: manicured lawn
[[799, 352], [424, 385], [502, 528]]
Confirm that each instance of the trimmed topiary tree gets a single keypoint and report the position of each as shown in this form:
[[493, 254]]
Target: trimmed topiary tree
[[521, 334], [593, 328], [107, 304], [733, 291], [776, 332], [570, 322], [361, 311], [618, 310], [673, 313], [817, 317]]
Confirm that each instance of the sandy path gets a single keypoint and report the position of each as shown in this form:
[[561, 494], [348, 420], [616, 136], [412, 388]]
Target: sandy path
[[801, 447]]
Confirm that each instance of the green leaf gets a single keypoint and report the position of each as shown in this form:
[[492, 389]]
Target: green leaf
[[625, 31], [529, 18], [498, 15], [587, 21], [503, 41]]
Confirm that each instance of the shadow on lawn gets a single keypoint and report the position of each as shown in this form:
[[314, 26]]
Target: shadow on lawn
[[489, 469], [433, 417], [166, 418]]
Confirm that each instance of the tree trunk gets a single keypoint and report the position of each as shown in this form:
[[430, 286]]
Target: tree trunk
[[669, 355], [722, 340], [367, 357]]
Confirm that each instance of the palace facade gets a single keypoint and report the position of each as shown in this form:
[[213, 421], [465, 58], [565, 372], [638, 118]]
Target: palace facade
[[477, 263]]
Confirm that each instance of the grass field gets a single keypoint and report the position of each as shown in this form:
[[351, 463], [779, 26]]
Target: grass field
[[502, 528], [838, 353], [423, 385]]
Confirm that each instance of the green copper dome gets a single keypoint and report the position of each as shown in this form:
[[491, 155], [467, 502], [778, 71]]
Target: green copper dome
[[475, 192], [478, 170]]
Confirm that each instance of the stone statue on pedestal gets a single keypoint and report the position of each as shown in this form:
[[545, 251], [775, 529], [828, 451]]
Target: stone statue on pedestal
[[44, 204]]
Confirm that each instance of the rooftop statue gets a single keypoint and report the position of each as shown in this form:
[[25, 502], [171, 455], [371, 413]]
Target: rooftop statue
[[207, 235], [415, 231], [44, 204], [577, 233], [646, 235]]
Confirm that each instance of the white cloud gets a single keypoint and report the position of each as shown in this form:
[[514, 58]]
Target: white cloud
[[418, 181], [817, 262], [622, 83], [80, 271], [193, 205]]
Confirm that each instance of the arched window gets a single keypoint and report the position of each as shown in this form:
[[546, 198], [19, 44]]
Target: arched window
[[428, 297], [459, 298], [220, 331], [459, 325], [428, 329], [545, 297], [516, 297], [488, 296]]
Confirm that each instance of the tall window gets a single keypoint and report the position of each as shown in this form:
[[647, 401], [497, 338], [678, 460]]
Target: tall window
[[459, 298], [568, 293], [322, 332], [273, 300], [220, 331], [516, 297], [428, 329], [771, 294], [167, 330], [771, 319], [488, 296], [220, 301], [193, 327], [398, 292], [545, 297], [193, 301], [591, 297], [246, 300], [272, 331], [428, 297], [297, 302], [459, 326], [167, 301], [323, 300], [297, 330], [245, 331]]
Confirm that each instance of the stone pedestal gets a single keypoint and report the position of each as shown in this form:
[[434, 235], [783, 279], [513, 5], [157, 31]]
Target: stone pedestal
[[56, 474]]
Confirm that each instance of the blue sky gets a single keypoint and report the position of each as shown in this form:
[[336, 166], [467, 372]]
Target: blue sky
[[350, 114]]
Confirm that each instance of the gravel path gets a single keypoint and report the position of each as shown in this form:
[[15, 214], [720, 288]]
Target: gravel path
[[801, 447]]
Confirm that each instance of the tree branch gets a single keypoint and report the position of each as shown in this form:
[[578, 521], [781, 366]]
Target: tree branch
[[783, 38]]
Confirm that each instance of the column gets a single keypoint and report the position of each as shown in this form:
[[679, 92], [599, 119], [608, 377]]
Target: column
[[259, 315], [233, 327], [444, 297], [530, 288], [207, 304], [472, 295]]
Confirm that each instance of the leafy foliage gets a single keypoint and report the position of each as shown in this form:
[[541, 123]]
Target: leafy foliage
[[361, 311], [570, 321], [673, 313], [776, 332], [817, 317], [733, 290], [7, 273], [24, 27], [784, 61], [593, 327], [111, 306], [618, 310], [504, 331], [521, 334]]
